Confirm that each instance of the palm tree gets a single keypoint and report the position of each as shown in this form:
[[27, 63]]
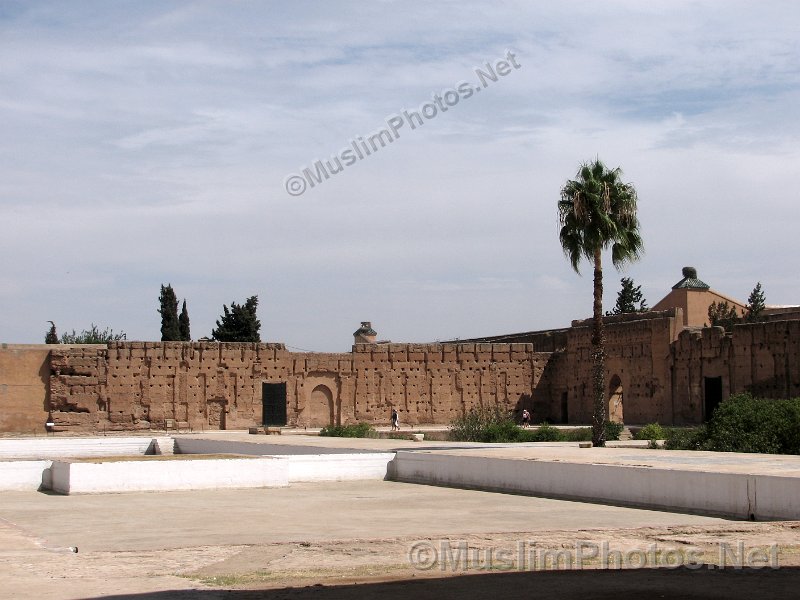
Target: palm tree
[[598, 210]]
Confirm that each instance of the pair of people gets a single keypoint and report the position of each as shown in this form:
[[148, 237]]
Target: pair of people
[[526, 418], [395, 420]]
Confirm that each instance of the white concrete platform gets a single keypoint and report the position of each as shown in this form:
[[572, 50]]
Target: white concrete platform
[[300, 464], [84, 477], [338, 467], [24, 475], [25, 463], [263, 445], [743, 486], [188, 473], [55, 447]]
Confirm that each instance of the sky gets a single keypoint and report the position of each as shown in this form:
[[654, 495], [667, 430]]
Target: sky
[[145, 143]]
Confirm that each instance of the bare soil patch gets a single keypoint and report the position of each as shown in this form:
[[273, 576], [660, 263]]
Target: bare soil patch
[[370, 567]]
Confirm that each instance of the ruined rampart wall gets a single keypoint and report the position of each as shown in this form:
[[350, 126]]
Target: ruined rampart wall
[[548, 340], [766, 359], [761, 358], [139, 385], [655, 371], [24, 381], [637, 368]]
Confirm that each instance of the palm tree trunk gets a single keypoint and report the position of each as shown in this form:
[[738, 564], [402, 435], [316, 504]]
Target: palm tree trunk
[[598, 356]]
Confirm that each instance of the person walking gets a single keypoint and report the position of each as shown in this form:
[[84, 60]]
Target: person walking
[[395, 420]]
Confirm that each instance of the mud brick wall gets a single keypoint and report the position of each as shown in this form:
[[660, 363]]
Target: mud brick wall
[[548, 340], [766, 359], [637, 359], [434, 383], [24, 387], [139, 385], [77, 384], [760, 358], [660, 368], [697, 354]]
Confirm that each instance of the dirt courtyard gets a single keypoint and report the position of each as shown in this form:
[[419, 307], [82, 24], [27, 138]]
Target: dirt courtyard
[[378, 538]]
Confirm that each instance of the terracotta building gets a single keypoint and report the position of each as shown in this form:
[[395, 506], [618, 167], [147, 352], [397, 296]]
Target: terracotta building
[[694, 297]]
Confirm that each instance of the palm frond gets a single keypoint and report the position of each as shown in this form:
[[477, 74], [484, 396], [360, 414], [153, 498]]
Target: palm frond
[[598, 210]]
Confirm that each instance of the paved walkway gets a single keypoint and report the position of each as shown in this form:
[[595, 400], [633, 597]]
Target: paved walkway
[[684, 460], [302, 512], [738, 485], [296, 438], [631, 453], [148, 543]]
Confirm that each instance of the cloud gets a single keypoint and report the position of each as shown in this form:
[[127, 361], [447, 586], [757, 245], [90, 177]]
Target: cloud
[[148, 143], [477, 284]]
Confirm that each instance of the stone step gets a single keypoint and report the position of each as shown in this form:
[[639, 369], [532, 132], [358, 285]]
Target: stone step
[[163, 445], [625, 435]]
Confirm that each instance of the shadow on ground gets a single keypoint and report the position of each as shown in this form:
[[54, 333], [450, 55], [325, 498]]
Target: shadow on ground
[[630, 584]]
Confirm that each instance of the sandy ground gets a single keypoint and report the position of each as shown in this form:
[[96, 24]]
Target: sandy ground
[[381, 567], [378, 539]]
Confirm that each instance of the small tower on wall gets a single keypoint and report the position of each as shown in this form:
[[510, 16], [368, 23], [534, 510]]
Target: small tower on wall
[[365, 334]]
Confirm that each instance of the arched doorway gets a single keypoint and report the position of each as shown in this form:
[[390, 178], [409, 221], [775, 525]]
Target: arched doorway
[[320, 407], [615, 400]]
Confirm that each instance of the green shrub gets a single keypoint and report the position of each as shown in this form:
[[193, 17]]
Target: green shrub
[[613, 430], [546, 433], [746, 424], [684, 438], [93, 335], [789, 431], [493, 425], [501, 432], [361, 430], [480, 424], [651, 431], [582, 434]]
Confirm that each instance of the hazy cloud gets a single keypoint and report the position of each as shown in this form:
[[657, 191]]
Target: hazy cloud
[[146, 143]]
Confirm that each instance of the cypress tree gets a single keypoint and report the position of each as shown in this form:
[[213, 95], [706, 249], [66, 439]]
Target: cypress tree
[[52, 336], [183, 324], [239, 324], [755, 305], [628, 297], [720, 314], [170, 328]]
